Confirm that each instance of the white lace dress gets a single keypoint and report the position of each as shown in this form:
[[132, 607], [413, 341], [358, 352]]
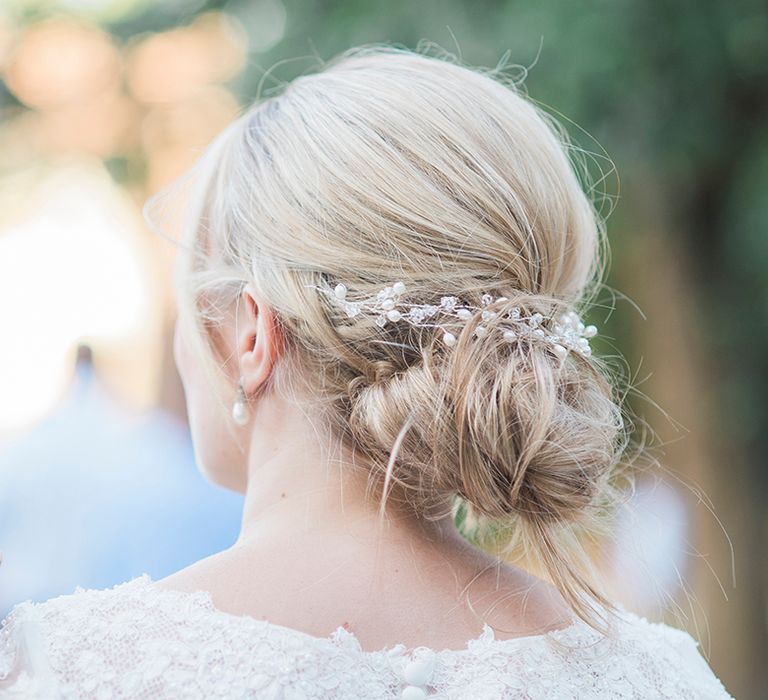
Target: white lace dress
[[135, 640]]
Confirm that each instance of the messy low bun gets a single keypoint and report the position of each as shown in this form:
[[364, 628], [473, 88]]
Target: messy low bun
[[535, 437], [508, 428], [390, 165]]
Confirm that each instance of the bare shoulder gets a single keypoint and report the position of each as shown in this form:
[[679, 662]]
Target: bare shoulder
[[515, 602], [201, 575], [435, 599]]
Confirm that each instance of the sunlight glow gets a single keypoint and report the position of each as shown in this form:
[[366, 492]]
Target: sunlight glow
[[70, 271]]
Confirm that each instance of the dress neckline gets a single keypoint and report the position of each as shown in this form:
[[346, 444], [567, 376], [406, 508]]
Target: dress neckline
[[341, 637]]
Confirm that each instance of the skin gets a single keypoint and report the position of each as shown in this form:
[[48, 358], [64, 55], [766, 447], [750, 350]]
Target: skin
[[312, 554]]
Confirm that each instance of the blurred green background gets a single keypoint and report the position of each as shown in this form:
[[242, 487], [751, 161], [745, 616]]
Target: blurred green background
[[104, 102]]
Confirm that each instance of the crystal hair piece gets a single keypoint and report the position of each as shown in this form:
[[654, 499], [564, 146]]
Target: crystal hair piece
[[568, 333]]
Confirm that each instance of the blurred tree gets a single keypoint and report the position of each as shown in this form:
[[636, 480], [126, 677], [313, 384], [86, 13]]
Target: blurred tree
[[676, 93]]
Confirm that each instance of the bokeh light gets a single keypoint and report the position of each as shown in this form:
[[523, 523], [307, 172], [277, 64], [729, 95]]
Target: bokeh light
[[104, 102], [72, 259]]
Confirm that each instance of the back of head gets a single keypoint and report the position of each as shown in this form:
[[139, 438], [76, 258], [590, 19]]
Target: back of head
[[389, 165]]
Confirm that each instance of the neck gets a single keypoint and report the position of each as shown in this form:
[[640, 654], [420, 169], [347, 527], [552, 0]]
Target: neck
[[297, 489]]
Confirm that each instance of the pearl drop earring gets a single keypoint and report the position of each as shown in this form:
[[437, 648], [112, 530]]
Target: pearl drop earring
[[240, 410]]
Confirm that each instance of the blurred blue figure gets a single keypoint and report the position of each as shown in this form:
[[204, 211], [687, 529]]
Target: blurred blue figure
[[95, 495]]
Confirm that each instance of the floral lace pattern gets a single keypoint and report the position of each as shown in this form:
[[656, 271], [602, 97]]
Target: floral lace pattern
[[135, 640]]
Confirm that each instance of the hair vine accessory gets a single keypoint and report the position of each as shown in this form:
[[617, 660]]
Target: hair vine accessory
[[568, 333]]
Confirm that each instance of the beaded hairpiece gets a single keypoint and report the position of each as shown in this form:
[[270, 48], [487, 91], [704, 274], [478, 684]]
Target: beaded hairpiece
[[568, 333]]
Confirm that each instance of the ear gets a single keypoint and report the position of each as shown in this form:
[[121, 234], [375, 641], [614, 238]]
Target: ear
[[258, 340]]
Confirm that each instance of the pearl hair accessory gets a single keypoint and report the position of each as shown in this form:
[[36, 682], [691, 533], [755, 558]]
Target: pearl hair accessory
[[568, 333], [240, 410]]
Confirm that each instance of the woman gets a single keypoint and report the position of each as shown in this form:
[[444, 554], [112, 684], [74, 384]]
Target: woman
[[379, 295]]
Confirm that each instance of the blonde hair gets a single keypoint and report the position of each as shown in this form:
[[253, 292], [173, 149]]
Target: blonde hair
[[389, 165]]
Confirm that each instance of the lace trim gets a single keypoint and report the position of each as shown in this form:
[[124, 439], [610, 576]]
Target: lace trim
[[341, 637], [138, 640]]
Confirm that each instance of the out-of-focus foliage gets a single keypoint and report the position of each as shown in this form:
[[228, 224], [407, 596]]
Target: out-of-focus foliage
[[675, 92]]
